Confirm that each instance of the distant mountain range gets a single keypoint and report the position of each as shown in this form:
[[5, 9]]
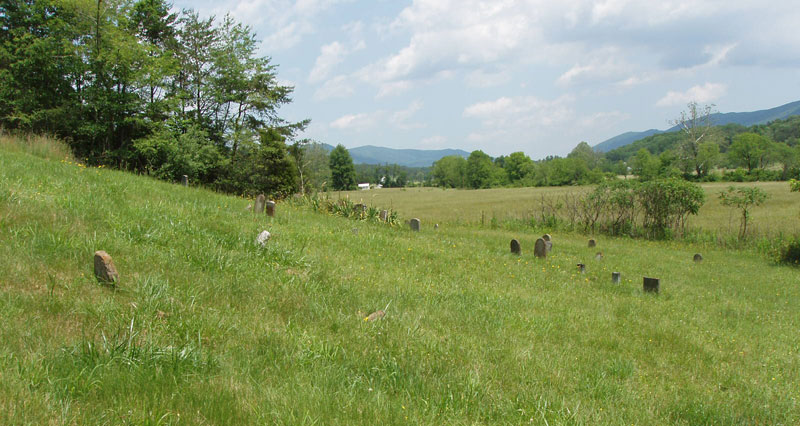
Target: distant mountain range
[[744, 118], [370, 154]]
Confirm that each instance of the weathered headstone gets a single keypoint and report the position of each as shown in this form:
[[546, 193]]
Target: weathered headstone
[[515, 248], [546, 237], [185, 180], [384, 215], [651, 285], [599, 255], [375, 316], [360, 208], [592, 243], [581, 268], [548, 245], [539, 249], [104, 268], [615, 277], [262, 238], [414, 223], [259, 206], [436, 226], [270, 208], [698, 257]]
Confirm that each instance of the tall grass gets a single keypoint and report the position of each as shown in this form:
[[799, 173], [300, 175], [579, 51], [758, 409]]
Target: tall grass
[[206, 327], [42, 146]]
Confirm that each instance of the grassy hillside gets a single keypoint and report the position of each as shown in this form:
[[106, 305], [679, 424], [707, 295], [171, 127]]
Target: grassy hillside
[[207, 328], [779, 214]]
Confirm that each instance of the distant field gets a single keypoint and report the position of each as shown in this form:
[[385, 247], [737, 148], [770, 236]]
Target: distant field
[[781, 212]]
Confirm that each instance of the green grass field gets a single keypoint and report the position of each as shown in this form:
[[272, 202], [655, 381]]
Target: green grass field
[[205, 327], [780, 213]]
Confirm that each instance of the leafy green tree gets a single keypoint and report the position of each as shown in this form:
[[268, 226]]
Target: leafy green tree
[[450, 172], [343, 174], [743, 198], [666, 204], [707, 157], [749, 150], [585, 152], [479, 170], [516, 166], [644, 165]]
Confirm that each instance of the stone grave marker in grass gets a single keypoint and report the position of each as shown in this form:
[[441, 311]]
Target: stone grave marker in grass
[[414, 223], [515, 248], [592, 243], [185, 180], [270, 208], [259, 206], [539, 249], [104, 268], [698, 257], [599, 255], [384, 215], [262, 238], [581, 268], [651, 285], [615, 277]]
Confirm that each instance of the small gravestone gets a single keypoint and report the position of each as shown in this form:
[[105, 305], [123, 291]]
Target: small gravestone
[[615, 276], [599, 255], [436, 226], [414, 223], [515, 248], [698, 257], [539, 249], [384, 215], [581, 268], [185, 180], [104, 268], [651, 285], [546, 237], [548, 245], [270, 208], [375, 316], [360, 208], [262, 238], [260, 202], [592, 243]]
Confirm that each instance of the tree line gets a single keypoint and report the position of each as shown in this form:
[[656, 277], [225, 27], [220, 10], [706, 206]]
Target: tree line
[[130, 84]]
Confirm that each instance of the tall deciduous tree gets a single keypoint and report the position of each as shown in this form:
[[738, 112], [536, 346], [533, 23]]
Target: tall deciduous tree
[[696, 125], [343, 173]]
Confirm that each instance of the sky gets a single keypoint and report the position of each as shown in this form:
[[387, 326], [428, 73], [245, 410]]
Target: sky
[[537, 76]]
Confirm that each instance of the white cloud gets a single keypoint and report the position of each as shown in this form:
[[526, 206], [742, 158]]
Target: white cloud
[[340, 86], [528, 111], [356, 121], [331, 55], [435, 141], [401, 118], [706, 93]]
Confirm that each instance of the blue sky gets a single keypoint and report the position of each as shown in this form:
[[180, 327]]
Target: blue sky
[[504, 76]]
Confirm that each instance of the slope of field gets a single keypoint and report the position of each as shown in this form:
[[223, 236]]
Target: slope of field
[[779, 214], [207, 328]]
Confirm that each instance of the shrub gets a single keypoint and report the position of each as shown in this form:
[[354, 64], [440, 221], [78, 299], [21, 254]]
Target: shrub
[[790, 252]]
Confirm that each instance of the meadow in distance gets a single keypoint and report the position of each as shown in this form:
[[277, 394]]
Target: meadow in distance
[[206, 327]]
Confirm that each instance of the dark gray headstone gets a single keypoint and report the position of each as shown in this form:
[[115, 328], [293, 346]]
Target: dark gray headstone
[[581, 268], [384, 215], [698, 257], [104, 268], [270, 208], [414, 223], [592, 243], [615, 277], [185, 180], [539, 249], [260, 202], [515, 248], [548, 245], [546, 237], [651, 285]]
